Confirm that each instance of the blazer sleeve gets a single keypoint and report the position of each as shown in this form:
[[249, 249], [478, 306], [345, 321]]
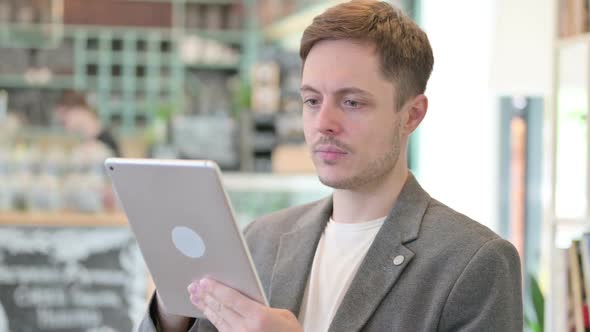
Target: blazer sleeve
[[487, 296], [149, 323]]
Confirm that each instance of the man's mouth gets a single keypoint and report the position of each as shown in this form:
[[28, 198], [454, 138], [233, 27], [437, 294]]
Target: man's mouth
[[329, 152]]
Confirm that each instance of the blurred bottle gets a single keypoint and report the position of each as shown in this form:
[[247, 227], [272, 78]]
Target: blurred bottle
[[21, 174], [84, 187], [45, 193], [7, 192], [55, 161]]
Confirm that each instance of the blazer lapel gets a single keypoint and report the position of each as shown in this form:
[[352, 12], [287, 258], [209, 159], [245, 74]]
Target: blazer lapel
[[295, 257], [378, 272]]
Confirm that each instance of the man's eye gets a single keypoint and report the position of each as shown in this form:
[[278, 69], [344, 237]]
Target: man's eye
[[352, 103], [311, 102]]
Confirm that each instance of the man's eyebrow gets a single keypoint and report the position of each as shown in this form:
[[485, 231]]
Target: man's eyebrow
[[345, 90], [307, 88]]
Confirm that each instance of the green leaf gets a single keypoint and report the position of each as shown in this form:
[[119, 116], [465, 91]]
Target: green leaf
[[538, 302], [533, 326]]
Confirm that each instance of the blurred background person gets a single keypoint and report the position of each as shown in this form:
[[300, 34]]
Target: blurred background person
[[76, 116]]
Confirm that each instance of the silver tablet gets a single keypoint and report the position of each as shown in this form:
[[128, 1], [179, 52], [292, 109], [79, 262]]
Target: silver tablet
[[184, 224]]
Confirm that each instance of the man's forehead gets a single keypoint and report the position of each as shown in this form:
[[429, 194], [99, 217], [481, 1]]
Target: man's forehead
[[341, 60], [364, 82]]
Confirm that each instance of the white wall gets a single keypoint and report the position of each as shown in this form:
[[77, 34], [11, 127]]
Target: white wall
[[522, 46], [483, 49], [458, 157]]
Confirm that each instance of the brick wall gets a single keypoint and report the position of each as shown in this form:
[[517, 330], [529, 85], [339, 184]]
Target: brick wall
[[118, 13]]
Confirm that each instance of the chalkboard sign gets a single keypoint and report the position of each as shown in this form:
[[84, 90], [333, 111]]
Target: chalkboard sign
[[67, 279]]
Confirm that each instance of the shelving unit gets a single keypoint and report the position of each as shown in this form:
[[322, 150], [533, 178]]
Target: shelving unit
[[131, 70], [41, 23], [567, 165], [60, 219]]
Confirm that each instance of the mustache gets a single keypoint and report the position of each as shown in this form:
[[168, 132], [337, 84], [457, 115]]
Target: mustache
[[328, 140]]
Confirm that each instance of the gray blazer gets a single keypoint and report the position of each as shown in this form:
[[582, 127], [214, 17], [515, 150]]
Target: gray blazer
[[456, 274]]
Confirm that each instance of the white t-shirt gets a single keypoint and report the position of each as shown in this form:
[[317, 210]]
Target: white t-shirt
[[338, 256]]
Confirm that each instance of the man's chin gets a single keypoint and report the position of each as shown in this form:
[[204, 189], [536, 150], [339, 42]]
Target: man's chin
[[334, 182]]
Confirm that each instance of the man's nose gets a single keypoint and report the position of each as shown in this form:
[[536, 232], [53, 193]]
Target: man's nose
[[328, 120]]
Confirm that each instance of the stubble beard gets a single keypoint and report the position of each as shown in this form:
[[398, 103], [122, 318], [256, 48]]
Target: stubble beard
[[375, 171]]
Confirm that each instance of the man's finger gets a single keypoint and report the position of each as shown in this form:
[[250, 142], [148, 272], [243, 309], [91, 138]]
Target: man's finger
[[230, 298], [225, 315], [216, 319]]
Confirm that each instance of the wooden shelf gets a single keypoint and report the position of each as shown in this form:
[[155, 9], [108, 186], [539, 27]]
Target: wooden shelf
[[63, 219]]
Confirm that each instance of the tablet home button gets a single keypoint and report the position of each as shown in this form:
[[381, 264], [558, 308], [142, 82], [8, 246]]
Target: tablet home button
[[188, 242]]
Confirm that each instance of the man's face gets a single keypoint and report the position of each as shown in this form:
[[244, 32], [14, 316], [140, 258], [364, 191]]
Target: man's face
[[349, 116], [72, 118]]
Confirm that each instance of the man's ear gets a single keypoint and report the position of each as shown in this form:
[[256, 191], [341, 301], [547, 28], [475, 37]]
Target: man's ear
[[416, 109]]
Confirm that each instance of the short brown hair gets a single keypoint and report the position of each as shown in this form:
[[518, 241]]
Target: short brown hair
[[73, 99], [403, 48]]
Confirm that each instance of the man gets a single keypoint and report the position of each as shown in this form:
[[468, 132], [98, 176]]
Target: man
[[76, 116], [380, 254]]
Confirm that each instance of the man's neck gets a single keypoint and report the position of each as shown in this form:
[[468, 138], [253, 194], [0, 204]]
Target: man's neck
[[373, 201]]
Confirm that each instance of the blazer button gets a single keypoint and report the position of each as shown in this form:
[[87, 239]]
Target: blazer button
[[398, 260]]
